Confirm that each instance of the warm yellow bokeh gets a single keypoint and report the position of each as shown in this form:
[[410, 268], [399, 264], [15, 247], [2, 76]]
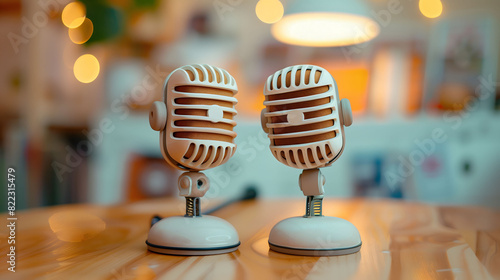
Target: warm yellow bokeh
[[82, 33], [144, 272], [86, 68], [269, 11], [321, 29], [73, 15], [431, 8], [75, 226]]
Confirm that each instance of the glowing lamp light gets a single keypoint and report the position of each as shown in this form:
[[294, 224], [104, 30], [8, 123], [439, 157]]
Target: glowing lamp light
[[269, 11], [430, 8], [86, 68], [73, 14], [326, 23]]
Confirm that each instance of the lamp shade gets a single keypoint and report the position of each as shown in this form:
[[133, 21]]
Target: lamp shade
[[325, 23]]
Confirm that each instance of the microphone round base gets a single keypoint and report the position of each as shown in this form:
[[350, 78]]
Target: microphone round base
[[314, 253], [189, 251], [315, 236], [192, 236]]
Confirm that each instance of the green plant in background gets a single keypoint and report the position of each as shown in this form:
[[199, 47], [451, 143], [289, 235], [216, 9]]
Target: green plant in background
[[110, 19]]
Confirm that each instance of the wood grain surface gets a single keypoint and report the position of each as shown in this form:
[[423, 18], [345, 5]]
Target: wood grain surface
[[401, 240]]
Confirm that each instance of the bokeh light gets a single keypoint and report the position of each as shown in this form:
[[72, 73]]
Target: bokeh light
[[73, 15], [86, 68], [82, 33], [431, 8], [75, 226], [269, 11]]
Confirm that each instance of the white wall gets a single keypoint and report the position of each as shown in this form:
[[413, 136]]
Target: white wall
[[474, 139]]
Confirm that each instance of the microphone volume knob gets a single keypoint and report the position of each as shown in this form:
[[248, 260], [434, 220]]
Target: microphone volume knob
[[158, 116], [263, 121], [346, 112]]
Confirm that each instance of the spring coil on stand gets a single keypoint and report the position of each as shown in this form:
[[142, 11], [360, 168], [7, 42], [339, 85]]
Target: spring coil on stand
[[192, 207], [314, 206]]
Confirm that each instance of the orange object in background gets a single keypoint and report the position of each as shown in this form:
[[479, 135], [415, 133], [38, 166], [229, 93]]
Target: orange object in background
[[396, 83], [415, 81], [352, 82], [453, 96], [353, 85]]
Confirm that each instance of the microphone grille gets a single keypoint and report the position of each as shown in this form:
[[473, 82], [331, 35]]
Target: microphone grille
[[302, 116], [201, 109]]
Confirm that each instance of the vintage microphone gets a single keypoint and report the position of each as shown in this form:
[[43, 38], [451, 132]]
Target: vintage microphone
[[196, 121], [305, 120]]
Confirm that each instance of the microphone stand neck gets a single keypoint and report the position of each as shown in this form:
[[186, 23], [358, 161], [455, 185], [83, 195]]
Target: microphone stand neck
[[314, 206], [192, 207], [311, 182], [193, 185]]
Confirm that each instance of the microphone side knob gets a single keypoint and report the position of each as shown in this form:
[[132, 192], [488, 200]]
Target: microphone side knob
[[263, 121], [346, 112], [158, 116]]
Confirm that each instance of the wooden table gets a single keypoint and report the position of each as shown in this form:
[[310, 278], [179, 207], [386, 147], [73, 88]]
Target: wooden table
[[401, 240]]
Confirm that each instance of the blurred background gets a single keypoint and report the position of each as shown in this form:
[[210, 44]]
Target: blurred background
[[77, 80]]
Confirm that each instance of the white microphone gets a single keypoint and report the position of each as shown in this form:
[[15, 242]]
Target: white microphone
[[196, 121], [304, 119]]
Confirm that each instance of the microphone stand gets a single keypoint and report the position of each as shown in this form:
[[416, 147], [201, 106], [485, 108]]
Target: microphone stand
[[314, 234], [312, 182], [192, 234]]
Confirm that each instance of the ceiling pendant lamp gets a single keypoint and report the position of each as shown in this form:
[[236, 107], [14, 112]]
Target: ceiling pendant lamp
[[325, 23]]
